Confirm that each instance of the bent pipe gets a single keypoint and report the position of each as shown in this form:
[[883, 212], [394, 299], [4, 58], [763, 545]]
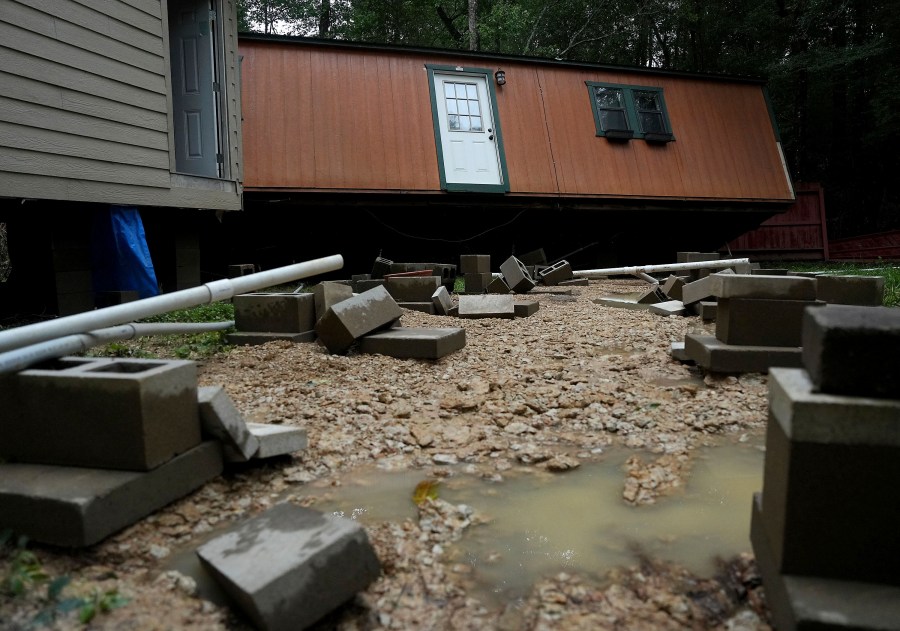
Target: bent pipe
[[204, 294]]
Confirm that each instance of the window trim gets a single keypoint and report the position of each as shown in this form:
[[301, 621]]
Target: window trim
[[631, 112]]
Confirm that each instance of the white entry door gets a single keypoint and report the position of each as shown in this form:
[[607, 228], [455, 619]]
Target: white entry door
[[469, 139]]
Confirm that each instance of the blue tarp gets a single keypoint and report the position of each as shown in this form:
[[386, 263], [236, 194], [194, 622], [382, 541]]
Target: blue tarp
[[121, 259]]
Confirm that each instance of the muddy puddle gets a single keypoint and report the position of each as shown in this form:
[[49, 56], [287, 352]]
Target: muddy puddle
[[538, 523]]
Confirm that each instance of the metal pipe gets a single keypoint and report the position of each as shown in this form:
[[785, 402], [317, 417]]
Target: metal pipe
[[666, 267], [22, 358], [204, 294]]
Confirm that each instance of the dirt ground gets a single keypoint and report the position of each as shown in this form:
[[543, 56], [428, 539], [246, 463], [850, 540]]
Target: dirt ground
[[547, 392]]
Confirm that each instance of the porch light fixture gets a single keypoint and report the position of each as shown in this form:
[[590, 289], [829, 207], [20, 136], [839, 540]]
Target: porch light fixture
[[500, 77]]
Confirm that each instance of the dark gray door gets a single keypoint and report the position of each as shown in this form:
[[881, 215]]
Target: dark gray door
[[194, 87]]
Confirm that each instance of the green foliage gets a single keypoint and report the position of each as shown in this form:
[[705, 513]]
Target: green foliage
[[459, 285], [25, 570], [200, 345], [214, 312]]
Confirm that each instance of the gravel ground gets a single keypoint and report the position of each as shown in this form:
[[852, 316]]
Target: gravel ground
[[548, 392]]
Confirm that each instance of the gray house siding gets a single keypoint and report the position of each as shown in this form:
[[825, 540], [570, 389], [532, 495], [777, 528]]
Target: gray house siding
[[85, 105]]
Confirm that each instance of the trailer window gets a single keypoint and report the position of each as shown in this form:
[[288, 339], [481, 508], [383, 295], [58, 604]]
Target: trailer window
[[622, 112]]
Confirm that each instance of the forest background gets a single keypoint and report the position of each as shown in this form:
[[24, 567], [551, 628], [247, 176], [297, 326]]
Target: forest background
[[831, 65]]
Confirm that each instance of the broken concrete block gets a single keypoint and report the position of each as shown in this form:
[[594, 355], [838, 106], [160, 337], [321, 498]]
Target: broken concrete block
[[487, 306], [775, 287], [79, 506], [328, 294], [414, 342], [477, 283], [246, 338], [350, 319], [535, 257], [716, 356], [498, 286], [441, 301], [761, 322], [380, 267], [424, 307], [670, 307], [853, 350], [475, 264], [222, 421], [701, 289], [673, 286], [618, 303], [851, 290], [412, 288], [289, 566], [651, 296], [676, 350], [526, 308], [556, 273], [516, 275], [277, 440], [707, 311], [831, 460], [274, 313], [132, 414]]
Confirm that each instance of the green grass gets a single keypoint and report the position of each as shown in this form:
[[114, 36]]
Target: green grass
[[891, 274], [215, 312]]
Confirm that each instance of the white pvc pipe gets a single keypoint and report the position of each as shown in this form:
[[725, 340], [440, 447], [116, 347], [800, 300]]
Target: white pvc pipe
[[650, 269], [204, 294], [22, 358]]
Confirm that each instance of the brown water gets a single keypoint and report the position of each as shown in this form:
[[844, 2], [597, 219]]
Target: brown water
[[540, 523]]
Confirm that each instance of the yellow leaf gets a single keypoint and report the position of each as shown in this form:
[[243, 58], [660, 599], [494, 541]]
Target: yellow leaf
[[426, 489]]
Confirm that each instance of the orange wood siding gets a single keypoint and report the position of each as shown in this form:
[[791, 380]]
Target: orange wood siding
[[321, 117]]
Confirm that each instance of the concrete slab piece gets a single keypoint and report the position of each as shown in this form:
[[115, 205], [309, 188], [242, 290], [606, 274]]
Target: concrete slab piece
[[441, 301], [516, 275], [277, 440], [274, 313], [523, 309], [487, 306], [801, 603], [290, 566], [716, 356], [761, 286], [350, 319], [851, 290], [414, 342], [760, 321], [617, 303], [574, 282], [329, 293], [853, 350], [676, 350], [222, 421], [247, 338], [412, 288], [669, 307], [424, 307], [475, 264], [477, 283], [131, 414], [79, 506]]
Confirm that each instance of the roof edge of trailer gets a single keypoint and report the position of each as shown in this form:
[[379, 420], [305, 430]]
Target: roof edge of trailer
[[465, 54]]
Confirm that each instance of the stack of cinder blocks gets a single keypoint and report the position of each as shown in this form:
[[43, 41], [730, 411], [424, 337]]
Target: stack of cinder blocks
[[476, 271], [758, 323], [825, 527], [93, 445], [261, 318]]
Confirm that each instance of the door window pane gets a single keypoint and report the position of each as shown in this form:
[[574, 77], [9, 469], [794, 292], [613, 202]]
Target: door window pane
[[463, 106]]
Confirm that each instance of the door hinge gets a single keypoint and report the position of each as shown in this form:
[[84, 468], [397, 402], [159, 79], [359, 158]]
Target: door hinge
[[220, 158], [212, 15], [216, 86]]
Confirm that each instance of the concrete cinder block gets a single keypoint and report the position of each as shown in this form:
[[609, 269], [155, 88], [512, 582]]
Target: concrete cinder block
[[851, 290], [761, 322], [277, 440], [330, 560], [132, 414], [241, 269], [707, 310], [498, 286], [424, 307], [516, 275], [412, 288], [441, 301], [109, 298], [801, 603], [760, 286], [535, 257], [716, 356], [222, 421], [696, 257], [487, 306], [477, 283], [678, 353], [246, 338], [475, 264], [328, 294], [275, 313], [673, 287], [669, 307], [414, 342], [556, 273], [652, 296], [360, 286], [853, 350], [79, 506], [526, 308], [825, 483], [381, 267], [350, 319]]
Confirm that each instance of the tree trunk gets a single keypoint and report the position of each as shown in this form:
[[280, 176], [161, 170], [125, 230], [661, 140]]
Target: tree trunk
[[474, 43], [325, 18]]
